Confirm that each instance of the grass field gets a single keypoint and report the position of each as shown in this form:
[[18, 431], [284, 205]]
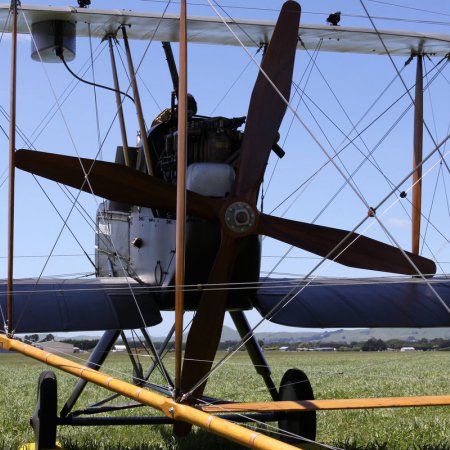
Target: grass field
[[333, 375]]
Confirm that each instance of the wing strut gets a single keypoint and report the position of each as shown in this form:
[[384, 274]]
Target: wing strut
[[123, 131], [12, 149], [137, 100], [181, 199], [417, 157]]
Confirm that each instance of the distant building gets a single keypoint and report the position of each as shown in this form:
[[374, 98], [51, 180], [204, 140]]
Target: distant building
[[324, 349], [284, 349], [119, 348], [407, 349]]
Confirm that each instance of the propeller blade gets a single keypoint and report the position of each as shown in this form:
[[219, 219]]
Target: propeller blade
[[362, 252], [113, 182], [267, 109], [204, 335]]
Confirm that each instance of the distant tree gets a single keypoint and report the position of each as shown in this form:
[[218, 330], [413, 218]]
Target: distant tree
[[48, 338], [83, 344], [374, 345], [31, 338]]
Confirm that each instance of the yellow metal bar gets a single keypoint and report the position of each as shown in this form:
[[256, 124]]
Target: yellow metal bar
[[169, 407], [343, 403]]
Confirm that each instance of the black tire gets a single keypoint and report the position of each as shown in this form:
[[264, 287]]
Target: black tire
[[296, 386], [44, 419]]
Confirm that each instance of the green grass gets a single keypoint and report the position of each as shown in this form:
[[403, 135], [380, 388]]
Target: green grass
[[333, 375]]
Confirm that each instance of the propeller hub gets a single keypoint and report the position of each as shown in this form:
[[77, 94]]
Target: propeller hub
[[239, 217]]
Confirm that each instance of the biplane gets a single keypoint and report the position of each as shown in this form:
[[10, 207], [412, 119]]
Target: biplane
[[184, 213]]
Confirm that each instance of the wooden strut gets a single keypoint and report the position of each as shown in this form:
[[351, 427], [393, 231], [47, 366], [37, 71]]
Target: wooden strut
[[137, 102], [181, 199], [123, 132], [320, 405], [168, 406], [11, 174], [417, 157]]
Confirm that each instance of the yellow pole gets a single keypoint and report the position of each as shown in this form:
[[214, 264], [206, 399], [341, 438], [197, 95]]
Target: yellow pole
[[169, 407]]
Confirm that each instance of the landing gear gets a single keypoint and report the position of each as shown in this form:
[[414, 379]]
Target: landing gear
[[44, 419], [296, 386]]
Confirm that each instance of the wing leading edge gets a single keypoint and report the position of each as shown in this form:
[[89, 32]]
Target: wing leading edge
[[368, 303]]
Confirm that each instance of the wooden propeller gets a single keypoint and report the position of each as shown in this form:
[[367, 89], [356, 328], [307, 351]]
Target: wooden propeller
[[123, 184]]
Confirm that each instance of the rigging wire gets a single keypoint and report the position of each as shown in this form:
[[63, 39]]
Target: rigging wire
[[439, 13], [63, 97], [315, 13], [431, 205], [425, 125], [307, 72], [257, 44], [64, 189], [234, 83]]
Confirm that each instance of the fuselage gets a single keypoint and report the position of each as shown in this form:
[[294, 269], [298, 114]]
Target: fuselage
[[139, 242]]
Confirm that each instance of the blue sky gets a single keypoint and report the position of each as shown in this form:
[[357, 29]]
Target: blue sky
[[356, 80]]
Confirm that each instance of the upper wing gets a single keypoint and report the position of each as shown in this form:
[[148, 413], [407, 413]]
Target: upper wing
[[211, 30], [364, 303], [53, 305]]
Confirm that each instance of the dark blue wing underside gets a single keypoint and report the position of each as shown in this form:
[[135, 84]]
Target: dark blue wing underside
[[104, 304], [356, 303]]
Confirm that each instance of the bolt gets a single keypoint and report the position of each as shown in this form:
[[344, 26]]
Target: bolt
[[241, 217]]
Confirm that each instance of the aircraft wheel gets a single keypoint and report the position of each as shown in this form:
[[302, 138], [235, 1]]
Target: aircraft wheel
[[44, 419], [296, 386]]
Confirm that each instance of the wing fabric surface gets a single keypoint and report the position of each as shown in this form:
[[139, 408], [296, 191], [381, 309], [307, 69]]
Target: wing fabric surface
[[363, 303], [79, 305], [211, 30]]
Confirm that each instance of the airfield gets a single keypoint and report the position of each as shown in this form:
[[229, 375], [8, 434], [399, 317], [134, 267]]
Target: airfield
[[334, 375]]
